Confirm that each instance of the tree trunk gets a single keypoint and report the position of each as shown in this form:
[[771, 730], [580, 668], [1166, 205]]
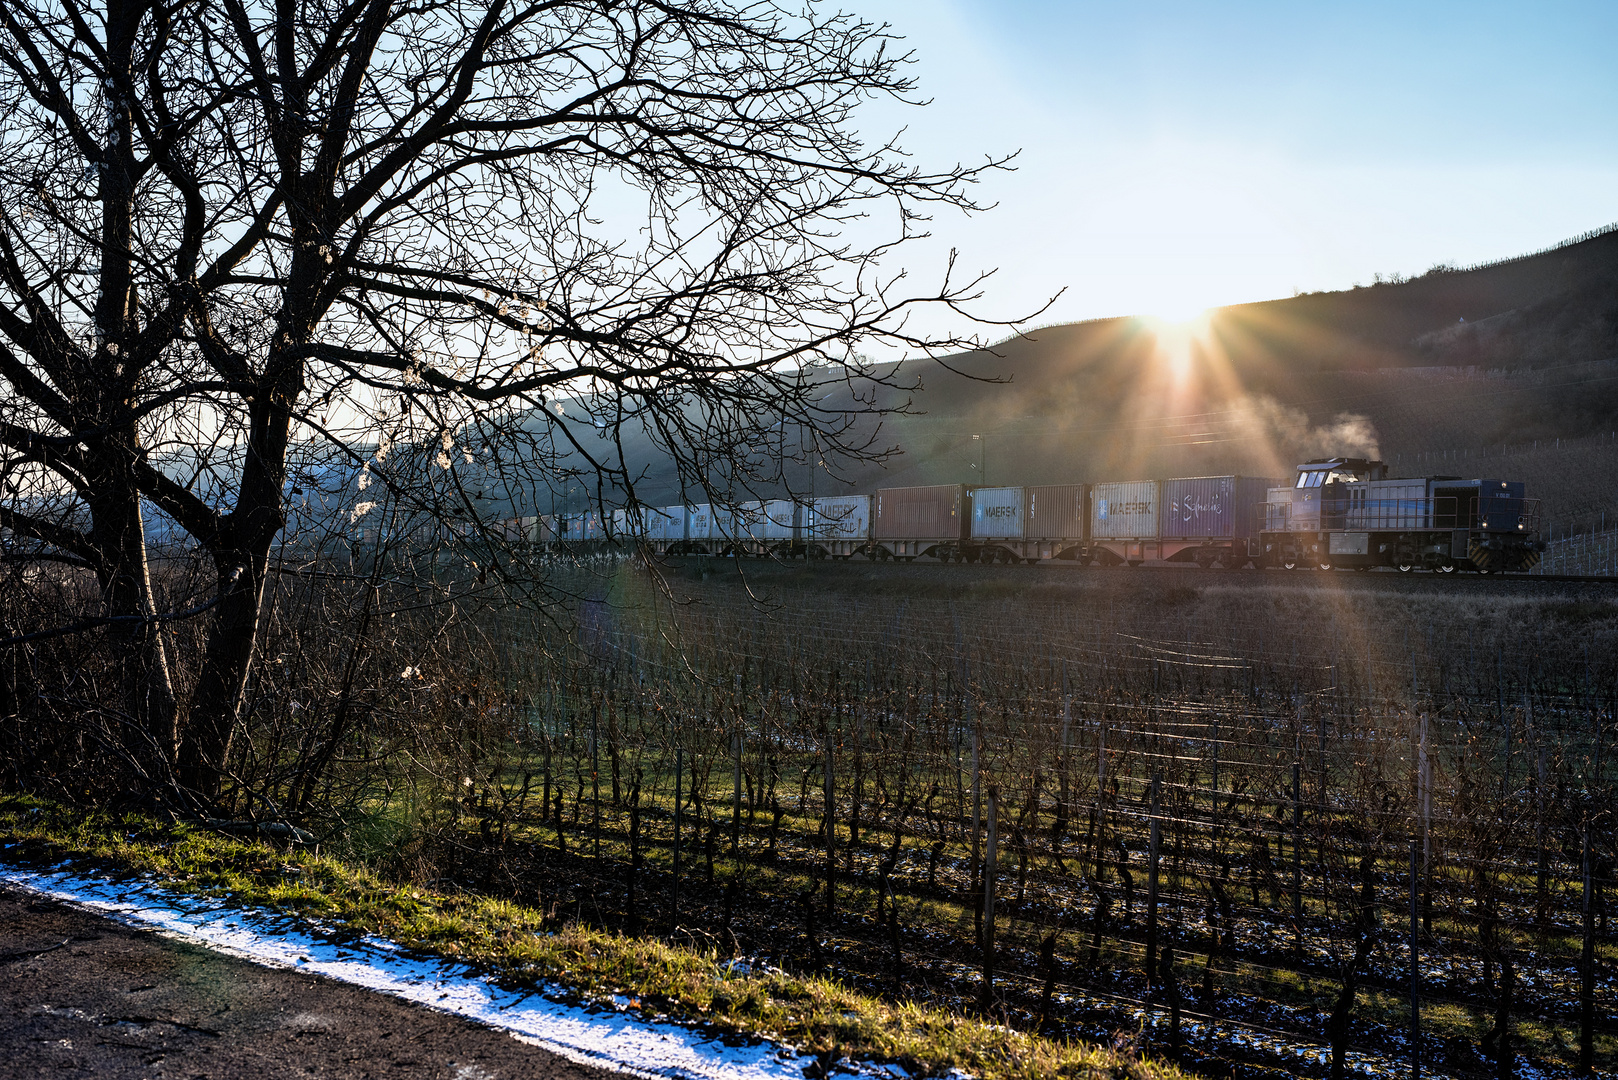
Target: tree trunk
[[137, 645], [241, 558], [232, 639]]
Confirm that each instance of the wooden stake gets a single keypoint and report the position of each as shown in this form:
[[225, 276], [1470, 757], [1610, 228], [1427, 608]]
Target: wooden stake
[[1415, 962], [1297, 857], [595, 786], [1587, 967], [736, 793], [679, 768], [831, 833], [1151, 888], [988, 898]]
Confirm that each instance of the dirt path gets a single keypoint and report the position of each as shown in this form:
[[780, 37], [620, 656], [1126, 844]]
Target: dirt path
[[85, 996]]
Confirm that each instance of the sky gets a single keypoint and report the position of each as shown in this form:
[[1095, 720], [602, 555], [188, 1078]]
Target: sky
[[1176, 156]]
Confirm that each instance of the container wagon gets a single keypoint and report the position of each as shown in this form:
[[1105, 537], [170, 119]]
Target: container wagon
[[582, 528], [1026, 524], [1212, 520], [697, 533], [1123, 523], [766, 527], [911, 521], [838, 527]]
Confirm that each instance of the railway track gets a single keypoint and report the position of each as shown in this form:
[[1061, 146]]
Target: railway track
[[932, 572]]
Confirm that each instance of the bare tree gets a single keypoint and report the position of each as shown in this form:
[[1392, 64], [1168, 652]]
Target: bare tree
[[520, 239]]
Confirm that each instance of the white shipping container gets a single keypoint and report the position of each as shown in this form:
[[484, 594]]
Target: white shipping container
[[1125, 510], [728, 523], [998, 513], [841, 517], [643, 523], [782, 518], [699, 522], [666, 524]]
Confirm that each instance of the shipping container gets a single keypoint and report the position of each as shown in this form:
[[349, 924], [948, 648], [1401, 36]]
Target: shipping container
[[581, 527], [665, 525], [645, 523], [782, 519], [729, 523], [998, 513], [758, 527], [699, 523], [1213, 507], [742, 524], [841, 517], [1124, 510], [1055, 512], [935, 513]]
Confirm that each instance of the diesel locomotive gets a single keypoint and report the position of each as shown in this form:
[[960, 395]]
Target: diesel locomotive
[[1348, 512]]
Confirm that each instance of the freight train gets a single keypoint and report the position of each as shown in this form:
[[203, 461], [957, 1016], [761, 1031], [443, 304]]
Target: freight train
[[1335, 513]]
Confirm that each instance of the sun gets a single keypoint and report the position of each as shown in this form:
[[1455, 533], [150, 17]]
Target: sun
[[1178, 340]]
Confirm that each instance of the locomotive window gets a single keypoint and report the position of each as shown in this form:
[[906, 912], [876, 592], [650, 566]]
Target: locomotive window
[[1303, 479]]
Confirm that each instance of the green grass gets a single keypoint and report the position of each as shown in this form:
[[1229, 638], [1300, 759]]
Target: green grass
[[817, 1015]]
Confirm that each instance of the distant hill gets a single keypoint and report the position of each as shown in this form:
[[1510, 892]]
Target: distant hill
[[1479, 363], [1458, 360]]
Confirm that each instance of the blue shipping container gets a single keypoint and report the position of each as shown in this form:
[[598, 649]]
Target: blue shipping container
[[1213, 507]]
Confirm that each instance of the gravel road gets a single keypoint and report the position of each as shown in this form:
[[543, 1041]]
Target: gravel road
[[84, 996]]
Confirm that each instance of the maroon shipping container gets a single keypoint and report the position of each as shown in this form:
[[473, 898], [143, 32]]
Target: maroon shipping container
[[1056, 512], [921, 513]]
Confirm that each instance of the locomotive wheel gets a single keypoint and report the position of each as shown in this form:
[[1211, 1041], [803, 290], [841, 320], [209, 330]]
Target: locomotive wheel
[[1325, 564], [1485, 569], [1404, 565], [1446, 568], [1289, 564]]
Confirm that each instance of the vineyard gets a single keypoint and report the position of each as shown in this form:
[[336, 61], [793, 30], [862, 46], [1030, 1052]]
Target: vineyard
[[1265, 827]]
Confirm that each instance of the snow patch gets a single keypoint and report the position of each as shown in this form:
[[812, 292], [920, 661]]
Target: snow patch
[[601, 1037]]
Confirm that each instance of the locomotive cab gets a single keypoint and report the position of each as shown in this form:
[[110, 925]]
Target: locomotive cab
[[1325, 488]]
